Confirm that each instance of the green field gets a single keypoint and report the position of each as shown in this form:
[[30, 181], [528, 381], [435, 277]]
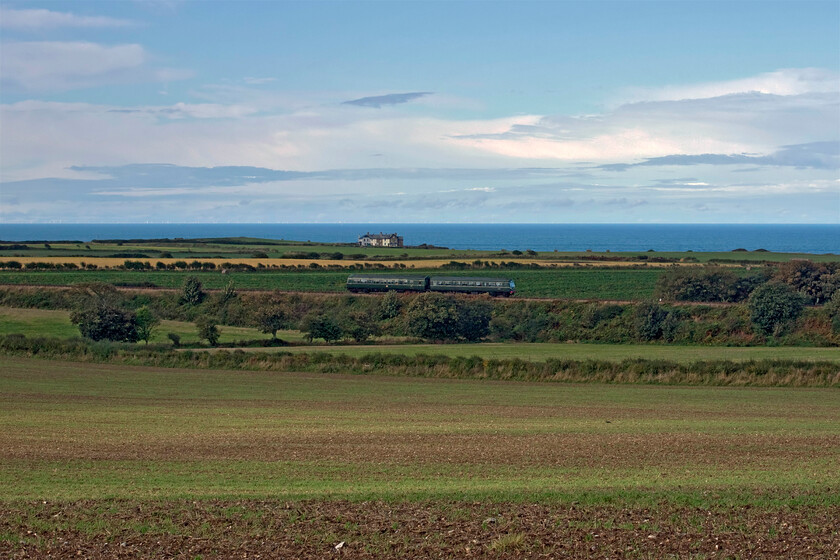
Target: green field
[[612, 352], [74, 431], [47, 323], [37, 322], [567, 283]]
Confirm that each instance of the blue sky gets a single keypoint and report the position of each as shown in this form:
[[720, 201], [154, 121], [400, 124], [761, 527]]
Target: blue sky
[[168, 111]]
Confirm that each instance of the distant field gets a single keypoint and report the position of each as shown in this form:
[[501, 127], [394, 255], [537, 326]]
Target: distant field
[[243, 248], [569, 283], [614, 352]]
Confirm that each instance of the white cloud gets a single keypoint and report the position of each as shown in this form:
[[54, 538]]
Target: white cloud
[[787, 81], [44, 66], [11, 18], [51, 65]]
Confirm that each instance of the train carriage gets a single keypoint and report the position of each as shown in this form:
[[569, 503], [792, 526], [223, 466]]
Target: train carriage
[[360, 283], [473, 285]]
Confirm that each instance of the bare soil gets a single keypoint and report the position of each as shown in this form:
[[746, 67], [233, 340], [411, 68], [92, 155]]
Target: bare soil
[[318, 529]]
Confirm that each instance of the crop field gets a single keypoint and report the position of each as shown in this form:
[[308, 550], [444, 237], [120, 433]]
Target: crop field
[[614, 352], [568, 283], [105, 460]]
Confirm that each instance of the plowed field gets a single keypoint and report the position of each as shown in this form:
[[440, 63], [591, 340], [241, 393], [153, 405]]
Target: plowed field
[[107, 461]]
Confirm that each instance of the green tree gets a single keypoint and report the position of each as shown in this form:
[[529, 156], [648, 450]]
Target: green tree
[[474, 319], [192, 292], [433, 316], [207, 330], [102, 321], [146, 323], [360, 326], [228, 292], [390, 306], [773, 307], [271, 318], [321, 326]]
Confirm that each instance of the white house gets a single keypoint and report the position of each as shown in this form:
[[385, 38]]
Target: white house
[[380, 240]]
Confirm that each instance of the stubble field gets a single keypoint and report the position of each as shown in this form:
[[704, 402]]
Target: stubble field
[[111, 461]]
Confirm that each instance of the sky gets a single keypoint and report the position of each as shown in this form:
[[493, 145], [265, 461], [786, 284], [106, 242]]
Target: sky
[[387, 112]]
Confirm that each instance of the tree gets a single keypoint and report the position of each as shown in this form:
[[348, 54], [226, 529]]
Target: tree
[[321, 326], [102, 321], [773, 307], [207, 330], [433, 316], [360, 326], [817, 282], [192, 292], [474, 319], [711, 283], [146, 323], [271, 318], [228, 293], [390, 306]]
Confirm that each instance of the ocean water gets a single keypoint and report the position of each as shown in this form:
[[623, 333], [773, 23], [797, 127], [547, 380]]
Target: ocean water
[[791, 238]]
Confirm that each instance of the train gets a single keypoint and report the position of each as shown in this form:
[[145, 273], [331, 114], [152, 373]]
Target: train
[[359, 283]]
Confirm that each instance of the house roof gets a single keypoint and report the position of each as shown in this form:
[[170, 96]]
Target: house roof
[[379, 235]]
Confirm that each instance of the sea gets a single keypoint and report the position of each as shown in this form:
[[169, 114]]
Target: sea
[[787, 238]]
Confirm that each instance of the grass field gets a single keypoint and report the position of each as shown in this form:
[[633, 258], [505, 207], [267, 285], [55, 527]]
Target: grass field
[[106, 461], [47, 323], [613, 352], [37, 322], [570, 283]]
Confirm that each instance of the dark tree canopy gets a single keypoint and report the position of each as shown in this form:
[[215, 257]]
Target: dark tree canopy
[[106, 322], [774, 306]]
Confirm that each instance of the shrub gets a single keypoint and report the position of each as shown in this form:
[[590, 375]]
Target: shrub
[[649, 321], [175, 338]]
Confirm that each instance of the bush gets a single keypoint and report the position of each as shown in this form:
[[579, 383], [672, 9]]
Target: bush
[[649, 321], [712, 283], [773, 307], [175, 338]]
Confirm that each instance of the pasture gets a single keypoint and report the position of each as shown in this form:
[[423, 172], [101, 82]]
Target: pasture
[[540, 352], [56, 323], [157, 460]]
